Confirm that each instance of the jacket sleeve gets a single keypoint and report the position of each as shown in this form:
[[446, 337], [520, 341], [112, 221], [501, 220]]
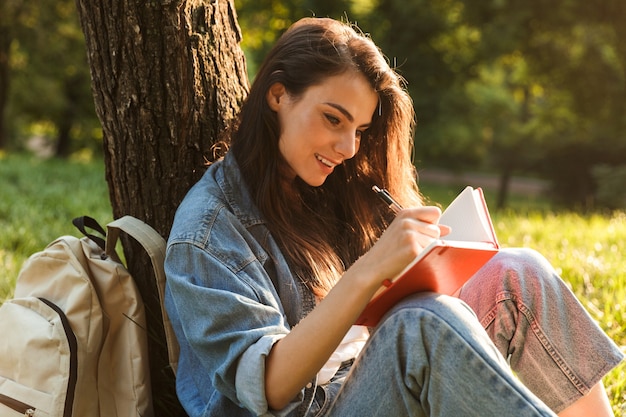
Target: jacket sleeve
[[224, 307]]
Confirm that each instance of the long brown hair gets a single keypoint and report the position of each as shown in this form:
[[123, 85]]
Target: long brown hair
[[327, 228]]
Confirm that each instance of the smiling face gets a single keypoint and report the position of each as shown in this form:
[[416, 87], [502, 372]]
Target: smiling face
[[322, 128]]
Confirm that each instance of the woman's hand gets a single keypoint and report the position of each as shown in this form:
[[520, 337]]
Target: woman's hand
[[411, 231], [423, 220]]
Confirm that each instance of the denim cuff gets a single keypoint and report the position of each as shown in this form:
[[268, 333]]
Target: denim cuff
[[250, 378]]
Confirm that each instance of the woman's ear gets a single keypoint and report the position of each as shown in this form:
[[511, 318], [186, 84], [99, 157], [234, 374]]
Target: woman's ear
[[274, 95]]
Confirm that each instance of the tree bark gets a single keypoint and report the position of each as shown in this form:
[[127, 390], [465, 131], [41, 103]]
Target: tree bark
[[167, 76]]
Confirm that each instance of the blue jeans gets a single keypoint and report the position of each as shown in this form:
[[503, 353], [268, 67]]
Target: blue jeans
[[435, 355]]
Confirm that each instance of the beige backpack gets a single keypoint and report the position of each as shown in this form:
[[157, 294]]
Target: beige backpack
[[73, 340]]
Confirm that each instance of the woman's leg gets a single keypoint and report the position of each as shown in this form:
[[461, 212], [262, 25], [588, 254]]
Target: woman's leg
[[595, 403], [536, 322], [431, 357]]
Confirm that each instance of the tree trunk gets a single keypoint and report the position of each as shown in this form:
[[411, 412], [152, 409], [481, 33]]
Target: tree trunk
[[503, 189], [5, 48], [67, 118], [9, 11], [167, 76]]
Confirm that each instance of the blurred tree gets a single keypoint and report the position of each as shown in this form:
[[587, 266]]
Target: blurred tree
[[167, 79], [433, 48], [263, 21], [512, 85], [501, 99], [9, 12], [50, 78], [576, 79]]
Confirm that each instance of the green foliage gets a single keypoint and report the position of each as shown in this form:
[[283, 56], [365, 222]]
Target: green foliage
[[262, 22], [50, 82], [573, 111], [432, 47], [514, 86], [39, 198]]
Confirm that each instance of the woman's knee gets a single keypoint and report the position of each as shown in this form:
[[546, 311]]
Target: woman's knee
[[515, 269], [520, 275], [524, 259], [431, 308]]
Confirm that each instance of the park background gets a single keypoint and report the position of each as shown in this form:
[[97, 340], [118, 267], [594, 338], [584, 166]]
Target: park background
[[527, 99]]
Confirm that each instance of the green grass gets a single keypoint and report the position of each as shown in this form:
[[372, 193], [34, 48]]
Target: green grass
[[38, 200]]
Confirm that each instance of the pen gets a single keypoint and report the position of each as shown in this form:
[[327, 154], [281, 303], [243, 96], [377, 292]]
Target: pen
[[387, 198]]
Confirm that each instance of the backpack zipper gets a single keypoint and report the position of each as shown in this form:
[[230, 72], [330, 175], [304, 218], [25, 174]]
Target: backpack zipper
[[73, 373], [18, 406]]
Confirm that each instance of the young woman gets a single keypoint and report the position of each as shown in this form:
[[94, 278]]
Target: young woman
[[275, 252]]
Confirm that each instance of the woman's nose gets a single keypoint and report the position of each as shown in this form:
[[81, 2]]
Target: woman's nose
[[348, 145]]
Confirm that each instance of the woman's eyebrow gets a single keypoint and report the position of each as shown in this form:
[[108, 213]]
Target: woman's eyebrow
[[342, 109], [346, 113]]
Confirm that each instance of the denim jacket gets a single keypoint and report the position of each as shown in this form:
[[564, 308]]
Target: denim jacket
[[230, 296]]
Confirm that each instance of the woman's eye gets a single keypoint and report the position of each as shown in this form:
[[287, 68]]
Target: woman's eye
[[332, 119], [361, 133]]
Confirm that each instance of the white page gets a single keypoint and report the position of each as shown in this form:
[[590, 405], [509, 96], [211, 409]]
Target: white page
[[467, 217]]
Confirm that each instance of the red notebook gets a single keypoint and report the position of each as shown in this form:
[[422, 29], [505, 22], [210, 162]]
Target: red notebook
[[447, 263]]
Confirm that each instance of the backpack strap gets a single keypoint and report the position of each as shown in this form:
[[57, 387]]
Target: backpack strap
[[154, 244], [84, 222]]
